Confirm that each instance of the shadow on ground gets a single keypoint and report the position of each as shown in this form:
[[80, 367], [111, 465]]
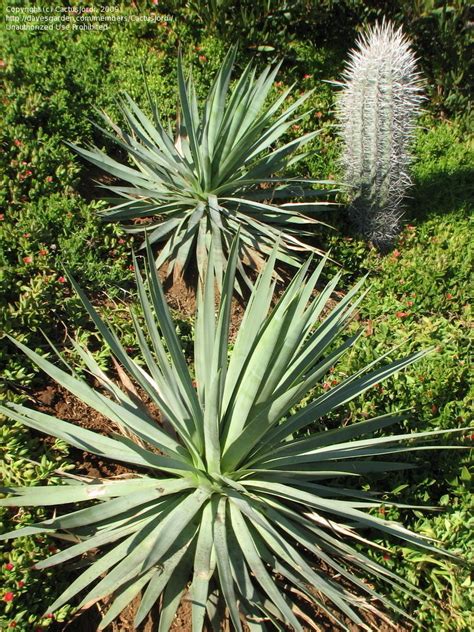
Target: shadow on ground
[[441, 192]]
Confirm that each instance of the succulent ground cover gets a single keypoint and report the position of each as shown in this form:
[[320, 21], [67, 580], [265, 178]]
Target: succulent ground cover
[[418, 291]]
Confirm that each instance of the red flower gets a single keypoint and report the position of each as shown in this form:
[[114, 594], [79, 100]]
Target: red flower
[[409, 303], [402, 314], [61, 279], [202, 58], [9, 566], [307, 76], [51, 547], [49, 615], [386, 556], [131, 267], [49, 178], [396, 254], [27, 259], [12, 624], [278, 84], [410, 227], [122, 241], [318, 115], [449, 296], [326, 386], [2, 217], [20, 584], [296, 127], [17, 142], [382, 511], [43, 252], [26, 235], [8, 596]]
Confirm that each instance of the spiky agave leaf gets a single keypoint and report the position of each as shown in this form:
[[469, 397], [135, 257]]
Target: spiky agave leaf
[[377, 109], [204, 183], [231, 498]]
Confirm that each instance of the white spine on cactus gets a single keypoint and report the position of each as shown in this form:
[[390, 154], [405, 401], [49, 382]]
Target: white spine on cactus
[[377, 109]]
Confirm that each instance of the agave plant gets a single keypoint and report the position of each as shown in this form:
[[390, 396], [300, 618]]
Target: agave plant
[[239, 494], [215, 175]]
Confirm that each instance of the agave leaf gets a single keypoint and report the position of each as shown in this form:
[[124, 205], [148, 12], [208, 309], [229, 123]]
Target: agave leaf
[[215, 105], [299, 567], [123, 596], [288, 553], [94, 571], [347, 510], [220, 536], [215, 609], [102, 538], [351, 449], [337, 546], [64, 494], [204, 566], [185, 96], [306, 540], [154, 539], [347, 390], [258, 568], [91, 441], [277, 326], [169, 334], [174, 590], [257, 309], [144, 428], [160, 579]]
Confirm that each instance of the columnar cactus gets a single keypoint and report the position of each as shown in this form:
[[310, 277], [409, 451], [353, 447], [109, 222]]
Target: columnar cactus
[[377, 109]]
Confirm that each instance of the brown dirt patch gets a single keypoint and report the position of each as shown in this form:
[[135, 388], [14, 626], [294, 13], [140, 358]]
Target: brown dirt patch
[[56, 400], [180, 294]]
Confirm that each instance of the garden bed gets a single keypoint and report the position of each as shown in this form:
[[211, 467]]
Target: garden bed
[[418, 296]]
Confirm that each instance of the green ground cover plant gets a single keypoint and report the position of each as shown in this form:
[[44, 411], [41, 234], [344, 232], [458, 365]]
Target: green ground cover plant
[[52, 84], [440, 31]]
